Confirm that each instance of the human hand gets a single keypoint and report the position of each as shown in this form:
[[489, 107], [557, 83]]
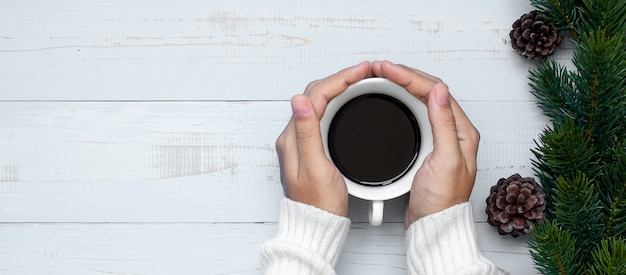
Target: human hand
[[447, 175], [308, 176]]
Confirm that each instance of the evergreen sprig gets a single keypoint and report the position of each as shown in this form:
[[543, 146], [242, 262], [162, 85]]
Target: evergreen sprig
[[600, 61], [564, 14], [606, 15], [562, 151], [554, 250], [551, 84], [581, 158], [614, 193], [609, 258], [578, 209]]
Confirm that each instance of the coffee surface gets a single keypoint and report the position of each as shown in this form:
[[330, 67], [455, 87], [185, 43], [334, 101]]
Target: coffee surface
[[374, 139]]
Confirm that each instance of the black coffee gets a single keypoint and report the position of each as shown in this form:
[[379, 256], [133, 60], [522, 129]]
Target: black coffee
[[374, 139]]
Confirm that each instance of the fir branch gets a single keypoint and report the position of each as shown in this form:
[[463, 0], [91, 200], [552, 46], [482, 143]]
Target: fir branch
[[563, 151], [609, 258], [616, 214], [600, 101], [562, 13], [592, 103], [550, 83], [568, 21], [554, 250], [614, 193], [608, 15], [581, 160], [577, 208]]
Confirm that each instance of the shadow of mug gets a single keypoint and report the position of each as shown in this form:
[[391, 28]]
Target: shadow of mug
[[378, 135]]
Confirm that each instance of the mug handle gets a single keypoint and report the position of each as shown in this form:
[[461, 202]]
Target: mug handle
[[375, 213]]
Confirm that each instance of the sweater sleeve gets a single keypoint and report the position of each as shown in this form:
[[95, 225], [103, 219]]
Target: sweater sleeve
[[308, 241], [446, 243]]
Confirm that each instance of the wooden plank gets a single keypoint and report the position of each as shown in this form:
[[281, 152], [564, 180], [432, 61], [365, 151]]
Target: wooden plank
[[141, 133], [206, 248], [189, 161], [230, 50]]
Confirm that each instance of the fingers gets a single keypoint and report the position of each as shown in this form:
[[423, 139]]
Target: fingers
[[421, 85], [443, 123], [322, 91], [286, 148], [319, 93], [307, 128], [469, 137], [414, 81]]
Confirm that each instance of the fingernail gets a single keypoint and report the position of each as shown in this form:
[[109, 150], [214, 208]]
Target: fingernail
[[442, 97], [300, 108]]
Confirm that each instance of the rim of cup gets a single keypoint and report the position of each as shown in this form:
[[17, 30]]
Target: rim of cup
[[383, 86]]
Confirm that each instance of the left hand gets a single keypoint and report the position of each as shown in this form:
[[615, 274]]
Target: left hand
[[308, 176]]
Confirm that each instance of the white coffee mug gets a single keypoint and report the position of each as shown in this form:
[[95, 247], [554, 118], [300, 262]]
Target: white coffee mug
[[400, 185]]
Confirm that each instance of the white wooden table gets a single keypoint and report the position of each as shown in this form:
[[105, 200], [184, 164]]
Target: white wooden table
[[137, 137]]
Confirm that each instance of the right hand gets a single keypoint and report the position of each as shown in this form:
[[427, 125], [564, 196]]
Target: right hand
[[447, 176]]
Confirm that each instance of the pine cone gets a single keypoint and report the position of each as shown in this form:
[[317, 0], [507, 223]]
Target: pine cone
[[515, 205], [533, 37]]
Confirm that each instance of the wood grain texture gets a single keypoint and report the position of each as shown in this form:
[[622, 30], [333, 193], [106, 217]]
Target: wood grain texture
[[201, 248], [232, 50], [187, 161], [80, 166], [137, 137]]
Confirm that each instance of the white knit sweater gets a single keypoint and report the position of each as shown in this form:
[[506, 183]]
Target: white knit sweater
[[309, 241]]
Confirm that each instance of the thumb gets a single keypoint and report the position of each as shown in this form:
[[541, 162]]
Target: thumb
[[308, 137], [441, 116]]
